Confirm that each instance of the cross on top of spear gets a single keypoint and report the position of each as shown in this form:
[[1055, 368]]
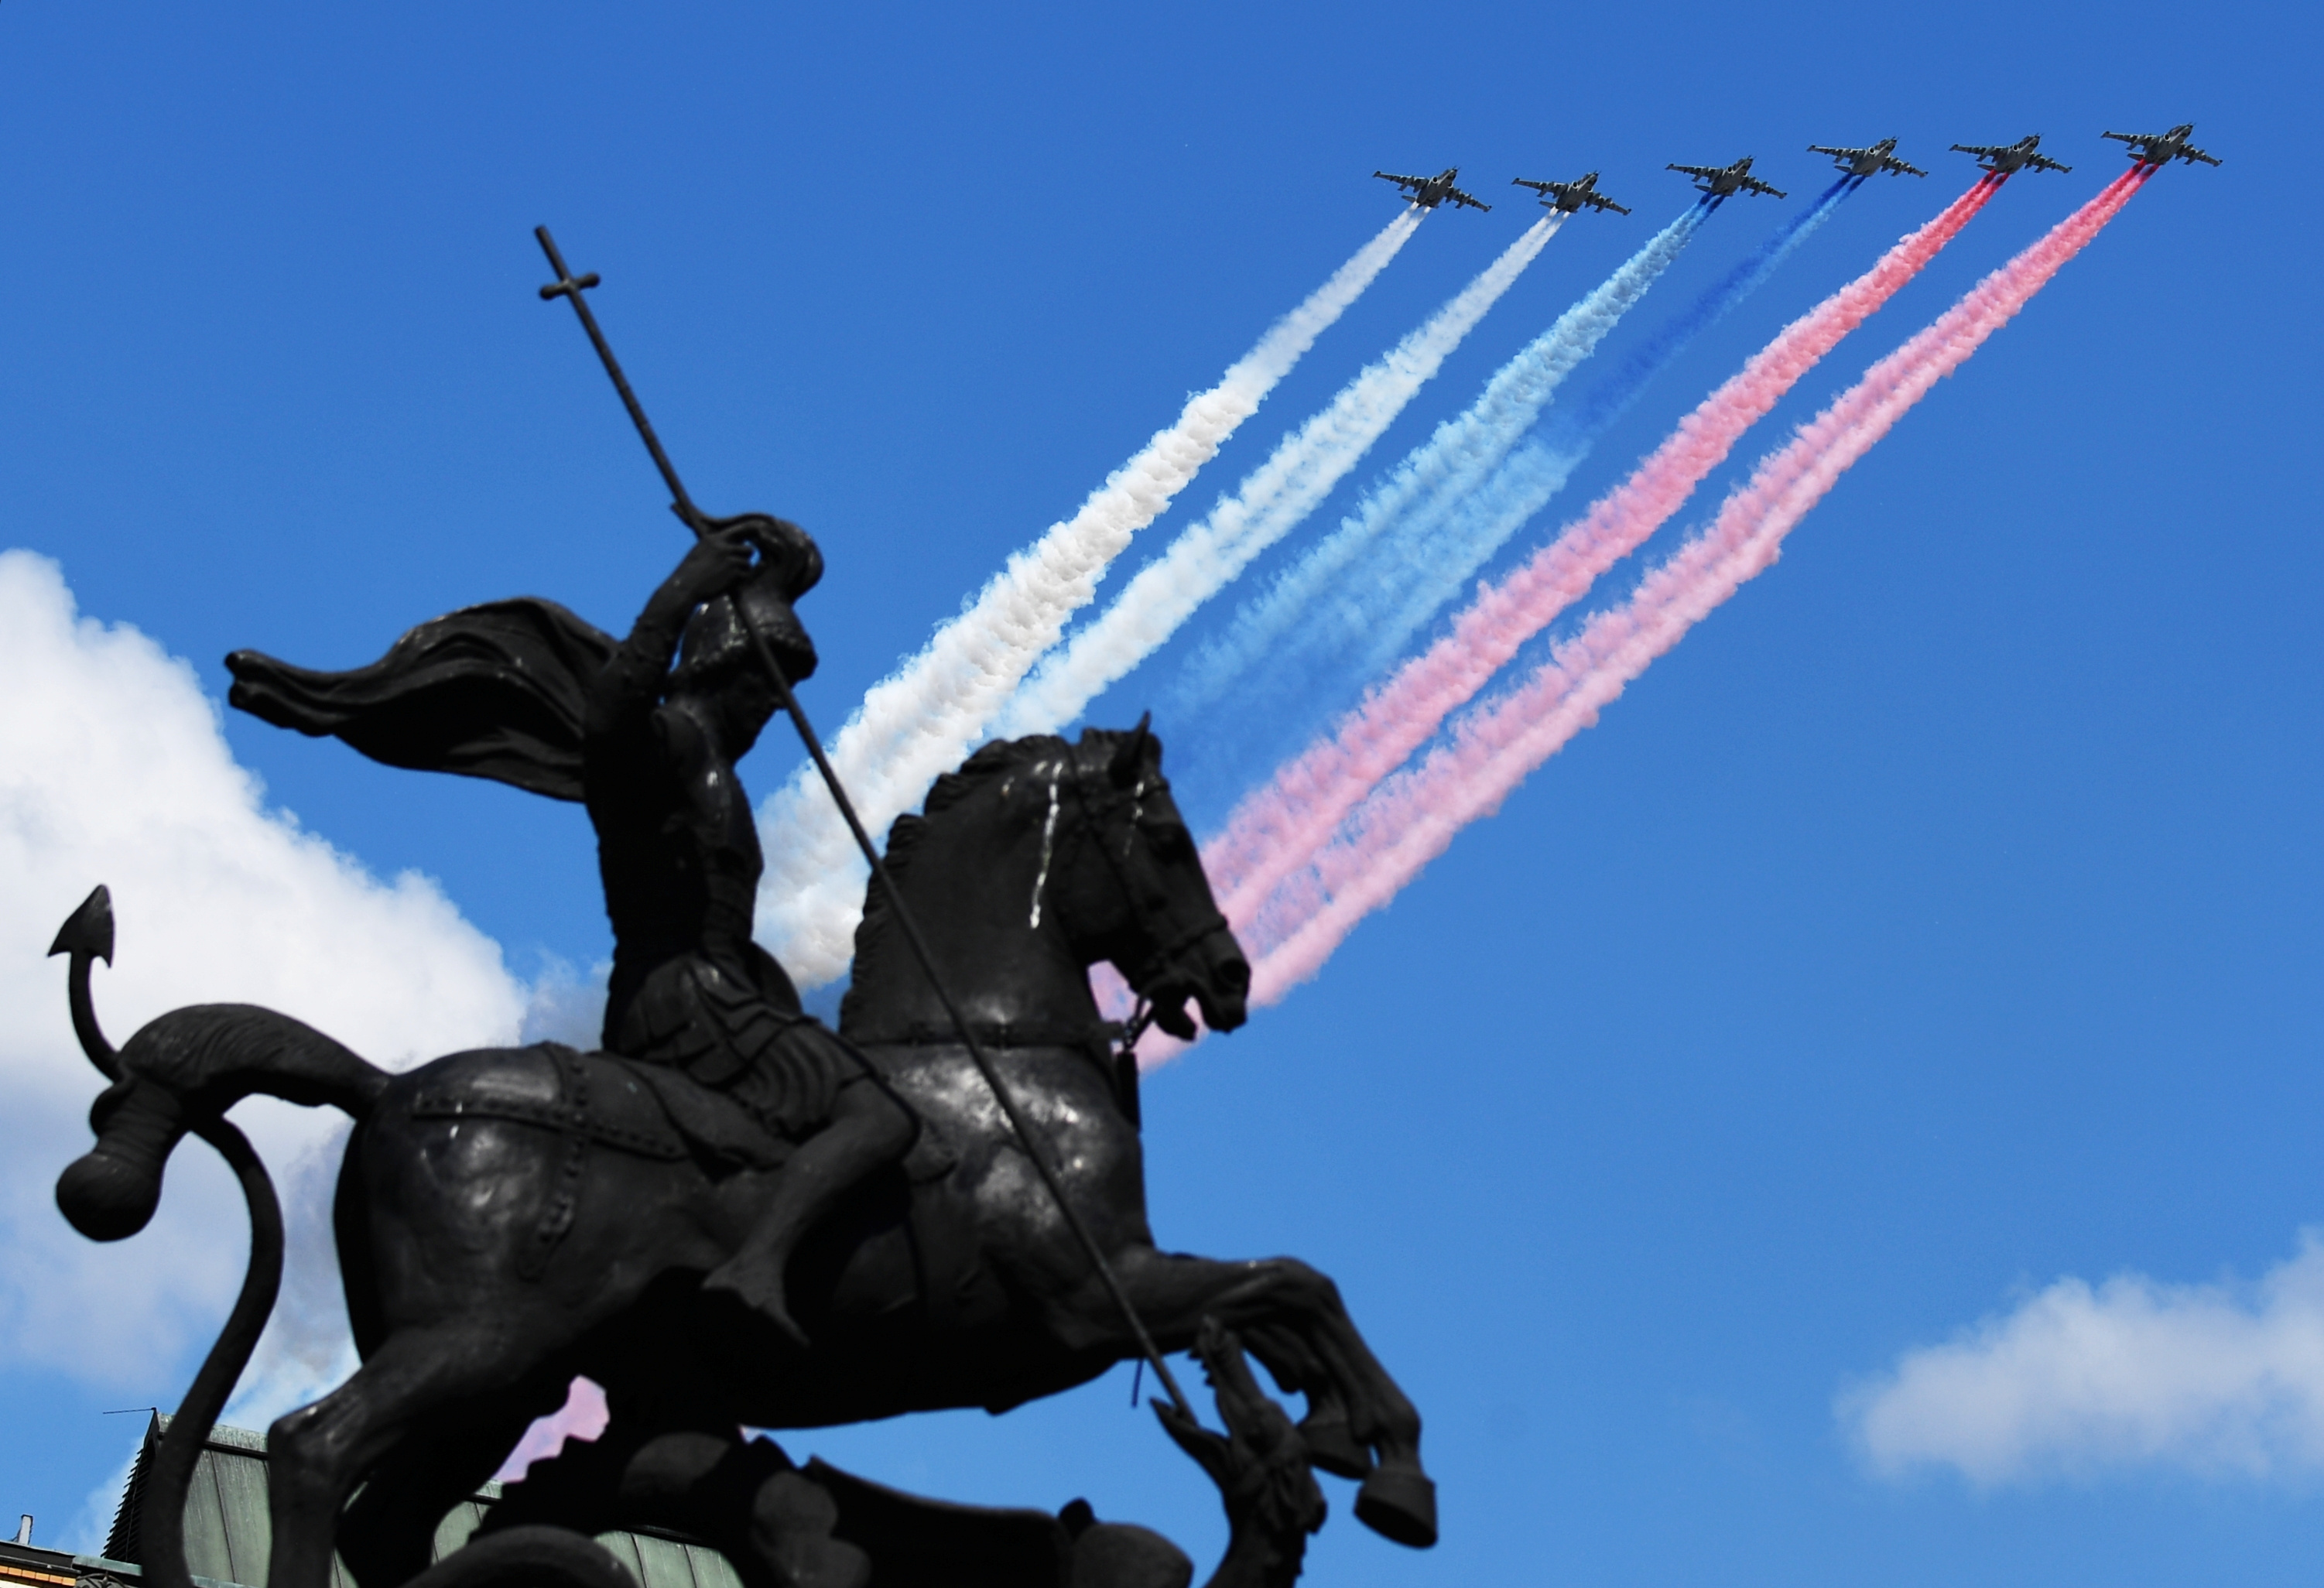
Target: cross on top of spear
[[570, 286], [567, 281]]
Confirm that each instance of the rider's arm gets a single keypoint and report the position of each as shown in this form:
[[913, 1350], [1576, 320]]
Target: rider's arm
[[626, 692]]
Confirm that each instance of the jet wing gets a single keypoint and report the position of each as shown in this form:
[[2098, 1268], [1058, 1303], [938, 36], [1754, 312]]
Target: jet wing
[[1458, 197], [1753, 185], [1987, 150], [1890, 162], [1698, 170], [2145, 143], [1544, 189], [1416, 183], [2043, 162], [1603, 202], [1838, 154]]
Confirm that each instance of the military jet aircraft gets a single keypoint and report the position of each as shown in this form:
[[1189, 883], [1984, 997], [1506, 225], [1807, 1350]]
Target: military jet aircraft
[[2161, 148], [1718, 182], [1570, 196], [2001, 158], [1865, 162], [1428, 192]]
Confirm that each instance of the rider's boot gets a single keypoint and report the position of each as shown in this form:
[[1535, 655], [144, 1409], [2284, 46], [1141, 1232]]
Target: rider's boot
[[867, 1131]]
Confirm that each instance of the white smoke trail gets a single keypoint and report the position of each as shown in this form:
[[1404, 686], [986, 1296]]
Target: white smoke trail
[[1316, 595], [1278, 495], [920, 719]]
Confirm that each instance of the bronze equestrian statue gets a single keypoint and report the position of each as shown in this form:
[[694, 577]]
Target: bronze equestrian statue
[[730, 1215]]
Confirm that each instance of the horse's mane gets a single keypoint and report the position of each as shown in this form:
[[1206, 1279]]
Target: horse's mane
[[997, 759]]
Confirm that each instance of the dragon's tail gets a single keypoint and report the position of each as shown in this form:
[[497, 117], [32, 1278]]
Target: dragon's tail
[[180, 1074]]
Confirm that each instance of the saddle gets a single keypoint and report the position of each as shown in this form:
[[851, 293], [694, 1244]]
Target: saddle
[[650, 1111], [596, 1100], [603, 1100]]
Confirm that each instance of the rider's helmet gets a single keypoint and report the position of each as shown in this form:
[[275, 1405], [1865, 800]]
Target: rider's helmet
[[715, 645]]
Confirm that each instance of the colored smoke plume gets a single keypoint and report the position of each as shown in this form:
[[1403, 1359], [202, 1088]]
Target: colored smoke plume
[[1413, 816], [1403, 595], [1280, 492], [1314, 600], [1275, 831], [921, 719]]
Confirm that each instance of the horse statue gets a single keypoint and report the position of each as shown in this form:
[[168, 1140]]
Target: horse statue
[[510, 1218]]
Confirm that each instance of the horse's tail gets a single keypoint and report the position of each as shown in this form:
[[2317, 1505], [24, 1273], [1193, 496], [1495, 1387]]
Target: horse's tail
[[172, 1477]]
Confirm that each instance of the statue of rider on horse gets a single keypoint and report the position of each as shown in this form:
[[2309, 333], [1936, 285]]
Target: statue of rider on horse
[[731, 1215]]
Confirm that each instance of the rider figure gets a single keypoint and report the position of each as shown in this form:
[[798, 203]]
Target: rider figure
[[679, 854]]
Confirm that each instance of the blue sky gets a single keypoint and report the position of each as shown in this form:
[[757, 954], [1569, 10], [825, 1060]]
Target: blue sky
[[1936, 924]]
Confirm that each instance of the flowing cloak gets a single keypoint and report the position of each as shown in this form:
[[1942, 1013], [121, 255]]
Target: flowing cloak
[[495, 691], [501, 691]]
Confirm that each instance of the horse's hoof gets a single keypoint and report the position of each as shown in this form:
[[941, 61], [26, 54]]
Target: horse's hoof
[[1332, 1449], [1400, 1504]]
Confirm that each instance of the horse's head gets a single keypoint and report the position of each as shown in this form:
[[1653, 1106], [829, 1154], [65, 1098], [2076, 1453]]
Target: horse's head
[[1132, 891], [1035, 860]]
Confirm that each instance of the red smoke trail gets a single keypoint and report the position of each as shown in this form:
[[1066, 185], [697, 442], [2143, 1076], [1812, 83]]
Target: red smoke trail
[[1278, 830], [1411, 819]]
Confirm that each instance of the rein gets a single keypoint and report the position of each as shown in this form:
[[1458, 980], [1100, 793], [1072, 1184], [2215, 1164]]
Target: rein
[[1143, 1016], [1094, 1036], [1093, 1041]]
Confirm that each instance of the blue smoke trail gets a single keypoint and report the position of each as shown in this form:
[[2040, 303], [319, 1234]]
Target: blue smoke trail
[[1321, 640], [1408, 589], [1302, 613]]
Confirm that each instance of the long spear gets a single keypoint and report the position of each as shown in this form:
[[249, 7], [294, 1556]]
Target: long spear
[[570, 286]]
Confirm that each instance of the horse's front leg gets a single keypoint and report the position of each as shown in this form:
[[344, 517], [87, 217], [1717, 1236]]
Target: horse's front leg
[[1293, 1320]]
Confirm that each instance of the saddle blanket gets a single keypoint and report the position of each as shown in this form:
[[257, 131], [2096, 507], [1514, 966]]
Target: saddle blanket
[[650, 1111]]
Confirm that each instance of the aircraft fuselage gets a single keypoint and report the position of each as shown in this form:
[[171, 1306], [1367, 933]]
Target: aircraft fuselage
[[1721, 181], [1868, 161], [2178, 143], [2001, 160], [1437, 188]]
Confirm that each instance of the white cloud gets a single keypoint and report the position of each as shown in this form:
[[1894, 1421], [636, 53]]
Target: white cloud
[[2222, 1379], [113, 769], [86, 1533]]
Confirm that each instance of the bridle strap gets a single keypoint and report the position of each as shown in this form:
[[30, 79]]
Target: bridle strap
[[1187, 935]]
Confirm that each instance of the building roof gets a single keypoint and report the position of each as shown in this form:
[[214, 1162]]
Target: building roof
[[229, 1533], [24, 1567]]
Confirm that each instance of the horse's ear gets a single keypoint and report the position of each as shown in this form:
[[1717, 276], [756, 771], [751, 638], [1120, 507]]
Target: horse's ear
[[1129, 762]]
